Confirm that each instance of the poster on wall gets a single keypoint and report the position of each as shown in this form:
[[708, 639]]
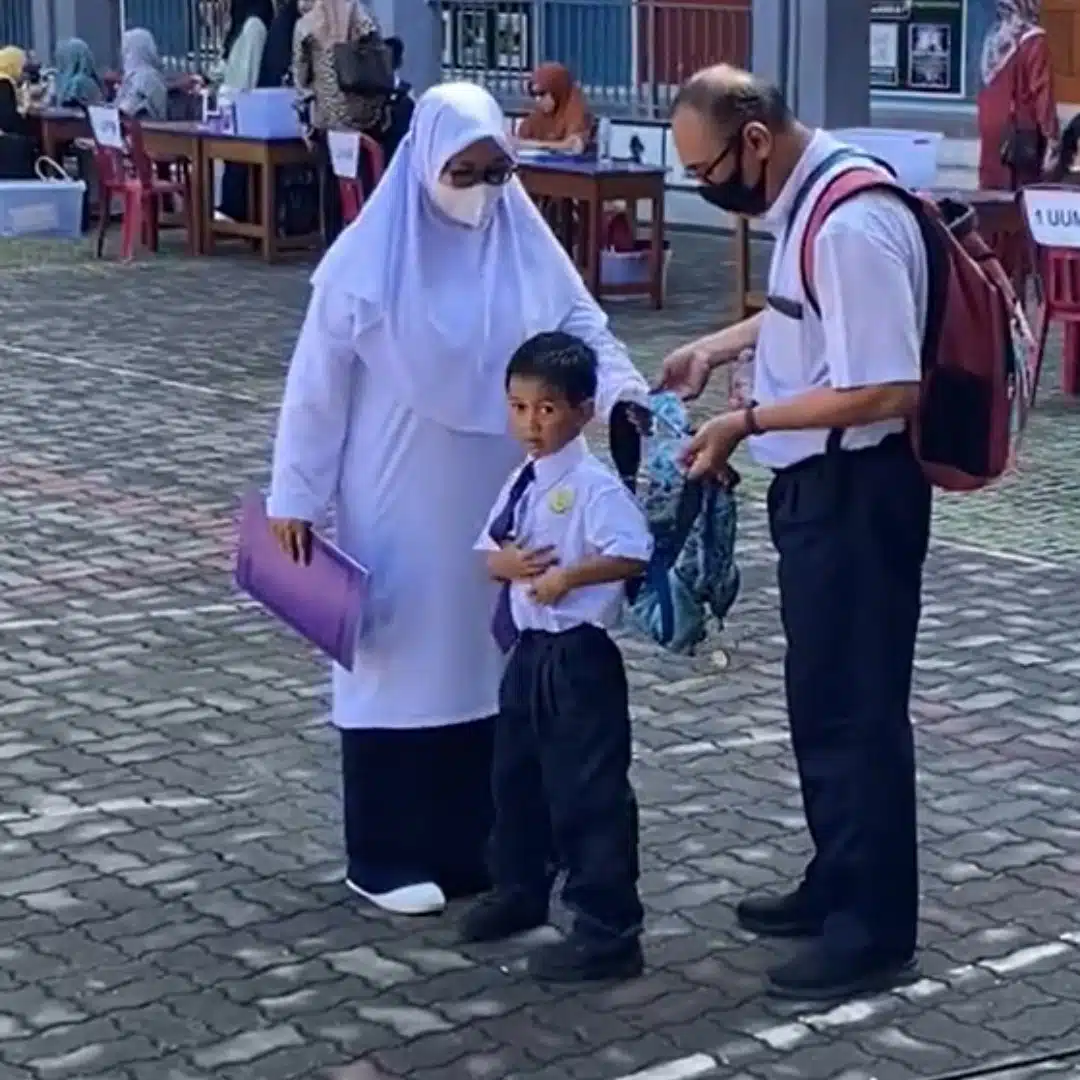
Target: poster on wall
[[884, 54], [918, 46], [479, 37]]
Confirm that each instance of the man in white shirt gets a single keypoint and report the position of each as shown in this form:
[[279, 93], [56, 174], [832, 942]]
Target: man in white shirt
[[849, 513]]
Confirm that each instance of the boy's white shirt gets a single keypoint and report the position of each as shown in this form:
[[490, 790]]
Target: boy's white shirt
[[579, 507]]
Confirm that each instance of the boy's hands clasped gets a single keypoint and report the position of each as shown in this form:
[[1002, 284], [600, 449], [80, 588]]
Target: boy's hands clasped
[[514, 563], [536, 565]]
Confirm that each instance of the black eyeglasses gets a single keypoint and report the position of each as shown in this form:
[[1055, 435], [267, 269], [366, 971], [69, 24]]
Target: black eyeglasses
[[466, 176], [704, 174]]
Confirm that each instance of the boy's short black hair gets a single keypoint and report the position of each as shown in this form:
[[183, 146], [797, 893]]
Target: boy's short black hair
[[560, 361], [397, 51]]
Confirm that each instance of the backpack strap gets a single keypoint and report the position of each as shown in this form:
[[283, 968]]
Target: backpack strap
[[842, 187], [624, 442]]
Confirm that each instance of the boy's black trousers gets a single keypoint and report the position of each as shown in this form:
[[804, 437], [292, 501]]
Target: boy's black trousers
[[563, 799]]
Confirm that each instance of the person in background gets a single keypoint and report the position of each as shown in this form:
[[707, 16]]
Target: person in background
[[77, 83], [12, 63], [402, 102], [143, 93], [397, 58], [395, 419], [297, 185], [560, 119], [245, 40], [327, 24], [277, 56], [1017, 95]]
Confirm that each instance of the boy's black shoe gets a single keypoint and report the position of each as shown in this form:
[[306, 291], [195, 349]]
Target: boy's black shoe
[[576, 959], [819, 973], [790, 915], [503, 914]]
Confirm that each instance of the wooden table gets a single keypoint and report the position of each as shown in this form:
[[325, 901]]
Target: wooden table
[[58, 127], [747, 301], [589, 185], [182, 139], [266, 156]]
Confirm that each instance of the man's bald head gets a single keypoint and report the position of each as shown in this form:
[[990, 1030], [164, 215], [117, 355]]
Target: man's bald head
[[730, 98]]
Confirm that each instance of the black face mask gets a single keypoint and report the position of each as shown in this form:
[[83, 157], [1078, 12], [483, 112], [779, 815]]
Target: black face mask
[[732, 194]]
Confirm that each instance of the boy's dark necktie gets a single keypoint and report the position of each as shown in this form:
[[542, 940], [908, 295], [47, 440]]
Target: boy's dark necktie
[[500, 531]]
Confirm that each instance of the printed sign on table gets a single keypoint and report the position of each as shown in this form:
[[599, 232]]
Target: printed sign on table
[[1053, 216], [344, 149], [105, 124]]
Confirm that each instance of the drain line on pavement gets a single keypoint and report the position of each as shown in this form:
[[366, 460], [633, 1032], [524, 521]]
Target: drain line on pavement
[[1007, 1065]]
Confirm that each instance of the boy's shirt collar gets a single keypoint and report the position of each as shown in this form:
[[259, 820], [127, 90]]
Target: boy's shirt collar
[[552, 468]]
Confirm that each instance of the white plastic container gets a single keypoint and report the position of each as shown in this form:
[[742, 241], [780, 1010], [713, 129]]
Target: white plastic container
[[631, 268], [912, 154], [41, 208], [267, 113]]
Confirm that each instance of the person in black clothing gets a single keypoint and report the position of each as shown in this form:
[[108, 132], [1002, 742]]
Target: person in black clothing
[[402, 102]]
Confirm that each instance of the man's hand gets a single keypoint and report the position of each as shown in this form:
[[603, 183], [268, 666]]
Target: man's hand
[[513, 563], [293, 537], [686, 371], [708, 451], [550, 587]]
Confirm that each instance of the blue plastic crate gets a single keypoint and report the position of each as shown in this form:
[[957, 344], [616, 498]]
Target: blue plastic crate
[[41, 208]]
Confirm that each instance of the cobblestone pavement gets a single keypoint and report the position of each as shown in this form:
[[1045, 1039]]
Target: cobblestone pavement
[[170, 902]]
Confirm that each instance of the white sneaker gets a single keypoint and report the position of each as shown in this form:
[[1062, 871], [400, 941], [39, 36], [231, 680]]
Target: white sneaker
[[420, 898]]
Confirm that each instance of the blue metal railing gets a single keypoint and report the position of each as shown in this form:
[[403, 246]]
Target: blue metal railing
[[188, 32], [16, 23]]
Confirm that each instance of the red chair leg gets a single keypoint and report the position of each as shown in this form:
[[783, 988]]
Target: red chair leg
[[152, 210], [104, 217], [1042, 334], [132, 227], [1070, 360]]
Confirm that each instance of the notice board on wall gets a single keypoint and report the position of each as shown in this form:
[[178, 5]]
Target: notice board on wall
[[918, 46]]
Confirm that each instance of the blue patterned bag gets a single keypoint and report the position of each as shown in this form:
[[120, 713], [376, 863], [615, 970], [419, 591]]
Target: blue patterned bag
[[692, 571]]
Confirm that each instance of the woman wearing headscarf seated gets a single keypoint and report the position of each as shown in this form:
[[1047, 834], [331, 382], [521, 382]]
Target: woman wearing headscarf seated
[[560, 119], [395, 419], [77, 83], [12, 63], [143, 93], [18, 150]]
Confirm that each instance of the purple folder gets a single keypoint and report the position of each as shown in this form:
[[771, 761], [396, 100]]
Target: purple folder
[[323, 601]]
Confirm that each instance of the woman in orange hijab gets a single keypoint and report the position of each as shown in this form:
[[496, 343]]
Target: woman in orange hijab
[[560, 120]]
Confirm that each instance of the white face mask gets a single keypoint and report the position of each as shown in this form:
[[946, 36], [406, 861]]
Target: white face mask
[[470, 206]]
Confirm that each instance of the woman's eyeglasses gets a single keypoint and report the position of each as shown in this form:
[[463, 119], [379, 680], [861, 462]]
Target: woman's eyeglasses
[[496, 175]]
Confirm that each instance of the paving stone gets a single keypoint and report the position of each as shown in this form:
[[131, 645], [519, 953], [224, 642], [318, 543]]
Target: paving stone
[[171, 905]]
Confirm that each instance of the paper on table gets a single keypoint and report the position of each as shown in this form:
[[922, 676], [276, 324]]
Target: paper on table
[[323, 601]]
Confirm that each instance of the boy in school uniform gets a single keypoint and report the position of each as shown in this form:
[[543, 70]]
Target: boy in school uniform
[[563, 538]]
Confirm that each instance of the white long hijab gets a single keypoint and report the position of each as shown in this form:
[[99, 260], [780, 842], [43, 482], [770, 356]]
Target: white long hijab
[[454, 302]]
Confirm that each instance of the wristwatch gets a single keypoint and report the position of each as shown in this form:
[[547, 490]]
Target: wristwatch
[[750, 419]]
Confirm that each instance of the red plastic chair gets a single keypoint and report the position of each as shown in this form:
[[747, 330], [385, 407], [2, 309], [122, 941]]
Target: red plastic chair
[[132, 176], [351, 189], [1057, 270]]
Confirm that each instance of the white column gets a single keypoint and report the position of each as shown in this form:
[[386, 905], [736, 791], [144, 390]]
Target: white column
[[832, 73]]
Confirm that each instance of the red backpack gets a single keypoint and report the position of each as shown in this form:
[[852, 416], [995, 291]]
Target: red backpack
[[962, 427]]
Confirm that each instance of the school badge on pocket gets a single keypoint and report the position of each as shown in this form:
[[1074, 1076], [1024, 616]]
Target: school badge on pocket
[[560, 500]]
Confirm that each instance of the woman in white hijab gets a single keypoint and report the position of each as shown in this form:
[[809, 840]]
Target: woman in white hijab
[[395, 416]]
